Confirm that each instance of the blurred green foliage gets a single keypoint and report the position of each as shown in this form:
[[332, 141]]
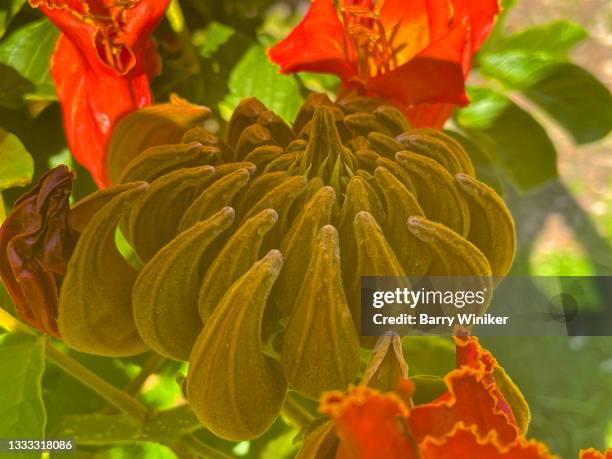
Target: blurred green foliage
[[22, 412], [218, 56]]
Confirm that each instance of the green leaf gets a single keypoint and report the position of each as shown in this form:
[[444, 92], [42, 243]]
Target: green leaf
[[524, 58], [281, 447], [511, 135], [164, 392], [22, 412], [28, 50], [104, 429], [428, 355], [256, 76], [576, 99], [209, 40], [556, 38], [517, 68], [16, 164], [8, 10], [321, 82], [12, 87], [138, 451]]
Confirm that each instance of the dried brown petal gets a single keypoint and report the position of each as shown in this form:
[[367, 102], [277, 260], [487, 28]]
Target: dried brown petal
[[36, 242]]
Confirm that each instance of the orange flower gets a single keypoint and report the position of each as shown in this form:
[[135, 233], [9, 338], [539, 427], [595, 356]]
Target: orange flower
[[471, 420], [465, 443], [594, 454], [415, 54], [101, 66], [369, 424], [36, 241]]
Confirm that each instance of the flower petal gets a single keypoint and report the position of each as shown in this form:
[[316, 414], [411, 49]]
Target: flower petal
[[469, 400], [406, 26], [429, 115], [315, 45], [369, 424], [101, 68], [592, 453], [421, 80], [471, 354], [465, 443], [36, 241], [481, 15], [111, 35], [92, 104]]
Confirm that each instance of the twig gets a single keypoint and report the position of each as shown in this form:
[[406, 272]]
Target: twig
[[200, 448], [124, 402], [295, 412]]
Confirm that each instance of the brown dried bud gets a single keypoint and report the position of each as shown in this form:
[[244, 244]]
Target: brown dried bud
[[36, 241]]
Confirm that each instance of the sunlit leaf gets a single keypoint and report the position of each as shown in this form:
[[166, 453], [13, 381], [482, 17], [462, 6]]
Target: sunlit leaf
[[137, 451], [210, 39], [512, 135], [576, 99], [428, 355], [161, 390], [525, 57], [256, 76], [28, 50], [22, 412], [281, 447], [16, 164], [516, 68], [556, 38], [8, 10]]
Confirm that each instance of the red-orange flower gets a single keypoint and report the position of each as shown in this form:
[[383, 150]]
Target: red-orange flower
[[471, 420], [415, 53], [369, 424], [102, 65], [465, 443], [594, 454]]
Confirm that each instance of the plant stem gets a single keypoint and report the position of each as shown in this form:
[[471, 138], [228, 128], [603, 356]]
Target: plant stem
[[150, 366], [296, 413], [200, 448], [124, 402], [175, 17], [10, 324], [118, 398], [135, 385]]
